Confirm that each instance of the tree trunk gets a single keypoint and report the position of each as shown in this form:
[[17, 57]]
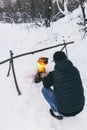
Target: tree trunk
[[81, 2]]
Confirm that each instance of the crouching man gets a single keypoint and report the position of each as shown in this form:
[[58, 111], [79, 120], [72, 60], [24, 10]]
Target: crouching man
[[63, 89]]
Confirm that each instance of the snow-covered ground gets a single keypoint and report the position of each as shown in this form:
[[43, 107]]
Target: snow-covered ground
[[30, 111]]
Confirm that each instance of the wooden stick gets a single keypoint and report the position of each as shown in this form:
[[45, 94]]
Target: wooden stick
[[9, 68], [15, 80], [65, 49], [36, 51]]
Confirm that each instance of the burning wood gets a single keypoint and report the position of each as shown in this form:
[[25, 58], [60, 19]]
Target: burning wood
[[42, 62]]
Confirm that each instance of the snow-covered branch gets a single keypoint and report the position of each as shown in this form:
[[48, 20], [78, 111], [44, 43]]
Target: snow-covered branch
[[65, 11]]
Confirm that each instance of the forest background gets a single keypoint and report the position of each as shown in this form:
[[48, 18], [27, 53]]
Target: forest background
[[25, 11]]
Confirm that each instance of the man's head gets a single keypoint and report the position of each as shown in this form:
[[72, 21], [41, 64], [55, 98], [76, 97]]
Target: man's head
[[59, 55]]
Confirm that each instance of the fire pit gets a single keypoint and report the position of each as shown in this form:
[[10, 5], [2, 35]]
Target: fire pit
[[42, 62]]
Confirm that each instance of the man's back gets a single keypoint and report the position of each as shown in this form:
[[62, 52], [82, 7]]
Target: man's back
[[68, 88]]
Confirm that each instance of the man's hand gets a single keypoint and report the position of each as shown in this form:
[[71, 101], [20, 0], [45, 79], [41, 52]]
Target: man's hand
[[43, 75]]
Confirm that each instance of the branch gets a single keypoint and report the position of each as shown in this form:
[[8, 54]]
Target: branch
[[32, 52], [14, 75]]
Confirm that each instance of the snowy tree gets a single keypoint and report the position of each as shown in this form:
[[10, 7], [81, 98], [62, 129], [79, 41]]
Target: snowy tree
[[65, 3], [6, 2], [48, 10]]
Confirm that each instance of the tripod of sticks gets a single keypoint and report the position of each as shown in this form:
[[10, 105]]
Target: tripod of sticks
[[11, 62]]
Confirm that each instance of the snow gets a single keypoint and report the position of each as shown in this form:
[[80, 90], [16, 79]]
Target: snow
[[30, 111]]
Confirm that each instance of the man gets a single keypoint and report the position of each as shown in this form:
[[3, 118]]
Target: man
[[63, 88]]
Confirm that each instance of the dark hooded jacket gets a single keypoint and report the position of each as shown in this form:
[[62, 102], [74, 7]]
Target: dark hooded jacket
[[68, 88]]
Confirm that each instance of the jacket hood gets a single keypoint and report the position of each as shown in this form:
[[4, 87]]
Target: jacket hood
[[63, 65]]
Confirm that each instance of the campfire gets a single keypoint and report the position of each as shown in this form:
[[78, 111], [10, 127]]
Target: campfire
[[42, 62]]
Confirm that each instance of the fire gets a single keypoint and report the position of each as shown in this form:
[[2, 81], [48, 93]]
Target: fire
[[41, 65], [42, 62], [41, 68]]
